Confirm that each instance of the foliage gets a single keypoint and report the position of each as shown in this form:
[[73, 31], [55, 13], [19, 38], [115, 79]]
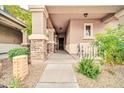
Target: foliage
[[88, 68], [15, 83], [22, 14], [111, 44], [101, 62], [18, 51]]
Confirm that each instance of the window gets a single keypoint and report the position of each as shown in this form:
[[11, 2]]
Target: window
[[88, 30]]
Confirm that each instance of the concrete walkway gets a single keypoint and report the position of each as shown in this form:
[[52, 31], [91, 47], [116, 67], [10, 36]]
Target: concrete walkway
[[59, 72]]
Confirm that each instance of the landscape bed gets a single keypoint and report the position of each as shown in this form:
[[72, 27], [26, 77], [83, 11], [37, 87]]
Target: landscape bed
[[106, 79], [29, 82]]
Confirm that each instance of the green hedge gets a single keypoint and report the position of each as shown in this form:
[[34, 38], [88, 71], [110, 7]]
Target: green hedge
[[17, 51]]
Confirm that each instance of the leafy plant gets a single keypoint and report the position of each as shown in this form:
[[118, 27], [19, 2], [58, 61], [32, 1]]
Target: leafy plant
[[22, 14], [18, 51], [15, 83], [88, 68], [101, 62], [111, 45]]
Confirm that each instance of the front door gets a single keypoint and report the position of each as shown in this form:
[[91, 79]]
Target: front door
[[61, 43]]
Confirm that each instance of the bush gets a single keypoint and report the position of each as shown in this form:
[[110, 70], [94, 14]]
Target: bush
[[18, 51], [111, 45], [15, 83], [88, 68]]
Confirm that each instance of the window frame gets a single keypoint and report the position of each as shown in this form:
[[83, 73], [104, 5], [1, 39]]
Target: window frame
[[91, 27]]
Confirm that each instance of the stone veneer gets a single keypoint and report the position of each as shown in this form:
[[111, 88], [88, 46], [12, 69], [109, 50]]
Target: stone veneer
[[51, 47], [38, 49], [20, 67]]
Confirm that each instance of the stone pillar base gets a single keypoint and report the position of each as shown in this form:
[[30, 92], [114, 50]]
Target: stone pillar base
[[38, 49], [51, 47]]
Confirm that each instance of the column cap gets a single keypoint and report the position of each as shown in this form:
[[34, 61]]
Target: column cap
[[39, 8], [38, 36], [53, 42], [51, 29]]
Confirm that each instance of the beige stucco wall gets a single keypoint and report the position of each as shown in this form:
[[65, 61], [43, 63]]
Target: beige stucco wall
[[77, 26], [11, 36], [75, 34], [121, 20], [111, 23]]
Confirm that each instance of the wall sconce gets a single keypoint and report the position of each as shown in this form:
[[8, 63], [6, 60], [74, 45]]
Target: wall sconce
[[60, 28], [85, 14]]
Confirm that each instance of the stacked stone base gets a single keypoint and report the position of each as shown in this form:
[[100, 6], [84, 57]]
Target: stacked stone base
[[51, 47], [38, 49], [20, 67]]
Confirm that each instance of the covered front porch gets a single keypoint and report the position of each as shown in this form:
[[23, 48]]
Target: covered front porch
[[68, 27]]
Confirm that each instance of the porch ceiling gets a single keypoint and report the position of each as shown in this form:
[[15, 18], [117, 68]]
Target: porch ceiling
[[60, 15]]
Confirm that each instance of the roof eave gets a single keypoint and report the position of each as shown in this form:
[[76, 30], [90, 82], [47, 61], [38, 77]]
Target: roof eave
[[13, 19]]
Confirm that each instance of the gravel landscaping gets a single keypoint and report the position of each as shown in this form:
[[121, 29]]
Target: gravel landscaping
[[36, 71], [6, 73], [105, 80], [31, 80]]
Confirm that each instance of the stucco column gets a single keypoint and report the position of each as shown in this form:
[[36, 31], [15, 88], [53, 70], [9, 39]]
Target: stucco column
[[38, 47], [25, 42], [51, 43]]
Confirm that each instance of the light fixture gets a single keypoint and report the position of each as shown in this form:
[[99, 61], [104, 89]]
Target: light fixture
[[60, 28], [85, 14]]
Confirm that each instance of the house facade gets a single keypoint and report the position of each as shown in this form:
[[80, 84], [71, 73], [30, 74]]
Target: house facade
[[65, 27], [11, 31]]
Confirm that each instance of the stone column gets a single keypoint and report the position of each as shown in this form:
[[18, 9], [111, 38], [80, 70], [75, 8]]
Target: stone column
[[38, 47], [51, 43], [55, 39]]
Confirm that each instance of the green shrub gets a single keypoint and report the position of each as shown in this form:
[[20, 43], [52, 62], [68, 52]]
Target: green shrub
[[111, 45], [17, 51], [15, 83], [88, 68]]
